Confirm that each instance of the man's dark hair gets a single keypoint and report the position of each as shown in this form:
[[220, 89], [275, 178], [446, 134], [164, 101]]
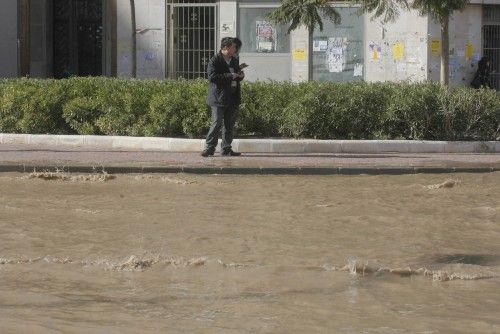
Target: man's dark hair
[[238, 43], [226, 42]]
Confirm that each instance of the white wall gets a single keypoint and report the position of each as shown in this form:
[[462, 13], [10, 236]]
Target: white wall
[[123, 39], [227, 15], [300, 68], [410, 32], [150, 21], [465, 28], [485, 2], [8, 39]]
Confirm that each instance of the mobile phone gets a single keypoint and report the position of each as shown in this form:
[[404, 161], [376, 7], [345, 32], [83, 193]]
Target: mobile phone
[[242, 66]]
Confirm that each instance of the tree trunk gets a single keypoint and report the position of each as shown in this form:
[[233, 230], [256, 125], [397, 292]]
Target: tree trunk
[[445, 52], [134, 39], [310, 55]]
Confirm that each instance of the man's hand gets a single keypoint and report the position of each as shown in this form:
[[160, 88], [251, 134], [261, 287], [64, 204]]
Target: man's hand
[[238, 76]]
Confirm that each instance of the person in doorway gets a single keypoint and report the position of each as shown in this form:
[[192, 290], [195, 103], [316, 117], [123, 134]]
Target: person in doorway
[[224, 97], [482, 77]]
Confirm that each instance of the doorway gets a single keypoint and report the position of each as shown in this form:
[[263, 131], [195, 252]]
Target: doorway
[[77, 38]]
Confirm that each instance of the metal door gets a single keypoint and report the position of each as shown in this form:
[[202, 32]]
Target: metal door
[[491, 41], [192, 39], [77, 38]]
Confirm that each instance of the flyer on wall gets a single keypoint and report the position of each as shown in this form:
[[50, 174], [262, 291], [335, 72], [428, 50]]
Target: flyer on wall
[[266, 36]]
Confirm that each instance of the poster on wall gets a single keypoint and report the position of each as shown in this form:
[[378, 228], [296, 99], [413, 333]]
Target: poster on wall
[[469, 51], [266, 36], [320, 45], [299, 54], [337, 47], [398, 50], [375, 51], [358, 70], [436, 47]]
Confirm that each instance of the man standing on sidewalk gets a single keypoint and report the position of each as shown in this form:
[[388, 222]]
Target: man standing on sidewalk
[[224, 97]]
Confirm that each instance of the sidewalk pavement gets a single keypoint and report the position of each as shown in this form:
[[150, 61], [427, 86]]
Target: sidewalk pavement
[[33, 157]]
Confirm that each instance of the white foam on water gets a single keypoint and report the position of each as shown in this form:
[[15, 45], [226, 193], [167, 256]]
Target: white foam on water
[[355, 267], [450, 272], [165, 179], [448, 184], [62, 176], [130, 263]]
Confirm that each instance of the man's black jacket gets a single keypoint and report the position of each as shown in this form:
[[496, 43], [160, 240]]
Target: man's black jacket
[[220, 93]]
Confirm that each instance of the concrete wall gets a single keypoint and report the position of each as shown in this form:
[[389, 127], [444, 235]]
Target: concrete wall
[[227, 15], [8, 39], [405, 49], [485, 2], [465, 46], [150, 16], [396, 51], [421, 40], [300, 67], [151, 50]]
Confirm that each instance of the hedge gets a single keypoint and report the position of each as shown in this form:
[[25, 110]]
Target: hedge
[[176, 108]]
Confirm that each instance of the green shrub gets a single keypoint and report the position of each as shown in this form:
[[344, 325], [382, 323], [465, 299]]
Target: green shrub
[[13, 96], [416, 111], [472, 114], [81, 114], [41, 111], [335, 111], [177, 108], [263, 105], [125, 103], [165, 113], [306, 115], [196, 119]]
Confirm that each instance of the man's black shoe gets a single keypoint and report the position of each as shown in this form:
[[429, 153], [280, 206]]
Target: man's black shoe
[[207, 153], [230, 153]]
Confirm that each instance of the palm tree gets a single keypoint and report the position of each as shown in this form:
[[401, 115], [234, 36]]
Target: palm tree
[[306, 13], [134, 38], [439, 10]]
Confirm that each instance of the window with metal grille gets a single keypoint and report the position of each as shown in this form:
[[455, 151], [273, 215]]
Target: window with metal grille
[[491, 41], [192, 37]]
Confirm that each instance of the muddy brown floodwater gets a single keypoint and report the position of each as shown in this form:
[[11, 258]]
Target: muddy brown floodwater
[[249, 254]]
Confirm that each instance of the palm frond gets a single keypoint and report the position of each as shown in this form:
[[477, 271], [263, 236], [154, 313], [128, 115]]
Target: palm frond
[[388, 10], [332, 14], [304, 13], [438, 9]]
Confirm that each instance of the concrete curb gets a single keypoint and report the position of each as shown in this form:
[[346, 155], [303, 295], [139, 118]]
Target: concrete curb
[[254, 145], [246, 170]]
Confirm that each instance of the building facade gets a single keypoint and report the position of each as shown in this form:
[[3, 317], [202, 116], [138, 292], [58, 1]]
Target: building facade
[[175, 39]]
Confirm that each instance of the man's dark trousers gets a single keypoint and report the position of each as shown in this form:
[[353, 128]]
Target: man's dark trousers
[[225, 118]]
